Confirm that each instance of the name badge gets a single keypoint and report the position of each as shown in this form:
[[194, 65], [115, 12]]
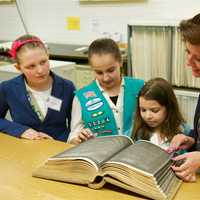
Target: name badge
[[54, 103]]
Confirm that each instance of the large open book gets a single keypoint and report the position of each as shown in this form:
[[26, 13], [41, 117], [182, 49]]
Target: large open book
[[142, 167]]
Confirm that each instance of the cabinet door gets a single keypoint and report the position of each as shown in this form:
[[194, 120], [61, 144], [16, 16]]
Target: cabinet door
[[84, 75]]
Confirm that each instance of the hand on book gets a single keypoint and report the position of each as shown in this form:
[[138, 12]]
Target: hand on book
[[191, 164], [85, 134], [180, 141], [32, 134]]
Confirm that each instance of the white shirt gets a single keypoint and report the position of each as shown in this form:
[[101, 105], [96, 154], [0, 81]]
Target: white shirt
[[156, 139], [77, 123], [41, 98]]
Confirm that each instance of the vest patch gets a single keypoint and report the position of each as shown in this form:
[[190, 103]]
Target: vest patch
[[97, 114], [94, 104], [89, 94], [100, 123]]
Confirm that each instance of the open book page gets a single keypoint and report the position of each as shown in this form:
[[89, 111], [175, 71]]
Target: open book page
[[144, 157], [143, 168], [80, 164], [95, 151]]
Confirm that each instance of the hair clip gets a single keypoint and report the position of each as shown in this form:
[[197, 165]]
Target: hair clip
[[17, 44]]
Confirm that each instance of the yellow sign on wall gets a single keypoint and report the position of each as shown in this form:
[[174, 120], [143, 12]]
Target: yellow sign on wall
[[73, 23]]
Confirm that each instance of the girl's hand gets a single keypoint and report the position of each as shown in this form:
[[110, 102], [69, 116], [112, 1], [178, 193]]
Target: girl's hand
[[188, 169], [180, 141], [32, 134], [85, 134]]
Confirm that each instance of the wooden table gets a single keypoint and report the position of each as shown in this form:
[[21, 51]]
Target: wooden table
[[19, 157]]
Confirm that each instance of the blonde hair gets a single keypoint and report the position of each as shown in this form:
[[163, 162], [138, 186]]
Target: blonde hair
[[26, 42]]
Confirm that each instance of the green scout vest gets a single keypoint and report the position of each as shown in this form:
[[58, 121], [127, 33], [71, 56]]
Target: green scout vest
[[97, 114]]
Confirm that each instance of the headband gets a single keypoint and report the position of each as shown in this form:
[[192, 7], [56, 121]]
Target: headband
[[17, 44]]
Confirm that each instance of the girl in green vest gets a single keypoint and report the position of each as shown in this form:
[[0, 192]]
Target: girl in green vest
[[107, 105]]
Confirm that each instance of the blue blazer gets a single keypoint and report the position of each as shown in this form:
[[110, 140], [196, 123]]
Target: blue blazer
[[13, 97], [195, 132]]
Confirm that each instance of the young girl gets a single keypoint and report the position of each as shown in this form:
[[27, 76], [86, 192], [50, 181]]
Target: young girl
[[158, 118], [106, 106], [38, 100]]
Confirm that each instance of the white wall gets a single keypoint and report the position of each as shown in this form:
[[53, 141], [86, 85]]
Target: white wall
[[47, 18], [10, 24]]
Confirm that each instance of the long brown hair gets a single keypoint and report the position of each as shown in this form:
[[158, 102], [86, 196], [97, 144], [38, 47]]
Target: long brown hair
[[160, 90]]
